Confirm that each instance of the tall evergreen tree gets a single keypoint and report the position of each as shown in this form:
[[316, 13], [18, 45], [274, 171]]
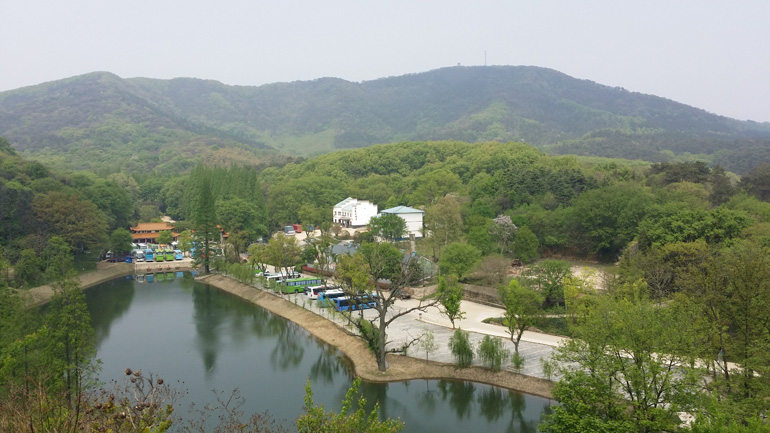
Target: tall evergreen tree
[[206, 231]]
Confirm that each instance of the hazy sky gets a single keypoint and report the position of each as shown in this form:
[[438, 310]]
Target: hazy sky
[[710, 54]]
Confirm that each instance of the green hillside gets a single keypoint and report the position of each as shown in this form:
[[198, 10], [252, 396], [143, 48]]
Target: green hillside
[[99, 118]]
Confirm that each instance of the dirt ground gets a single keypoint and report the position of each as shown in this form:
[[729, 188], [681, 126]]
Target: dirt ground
[[399, 367], [104, 272]]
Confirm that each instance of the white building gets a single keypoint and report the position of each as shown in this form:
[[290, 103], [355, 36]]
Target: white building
[[412, 217], [352, 212]]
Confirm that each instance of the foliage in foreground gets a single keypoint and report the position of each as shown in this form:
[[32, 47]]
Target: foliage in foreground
[[349, 419]]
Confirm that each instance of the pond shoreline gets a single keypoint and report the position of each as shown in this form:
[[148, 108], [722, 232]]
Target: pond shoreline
[[400, 368]]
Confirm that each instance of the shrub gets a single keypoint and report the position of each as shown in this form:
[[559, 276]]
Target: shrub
[[517, 361], [461, 348]]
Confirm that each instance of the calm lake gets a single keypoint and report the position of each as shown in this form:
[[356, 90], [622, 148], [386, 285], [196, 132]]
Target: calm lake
[[185, 331]]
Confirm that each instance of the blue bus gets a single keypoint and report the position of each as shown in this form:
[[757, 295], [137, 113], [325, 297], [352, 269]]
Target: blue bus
[[327, 297], [149, 255], [353, 303], [178, 255]]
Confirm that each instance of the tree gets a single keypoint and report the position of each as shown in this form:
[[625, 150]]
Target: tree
[[492, 352], [72, 339], [443, 223], [27, 269], [503, 230], [317, 419], [372, 263], [57, 259], [185, 241], [522, 309], [165, 237], [628, 370], [206, 231], [547, 277], [258, 256], [457, 259], [121, 240], [450, 292], [390, 227], [283, 252], [461, 348], [525, 245], [427, 343], [78, 221]]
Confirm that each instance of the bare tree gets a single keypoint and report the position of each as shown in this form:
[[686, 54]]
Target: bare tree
[[376, 274]]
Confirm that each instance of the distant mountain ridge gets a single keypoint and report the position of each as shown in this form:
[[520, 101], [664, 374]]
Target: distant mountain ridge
[[150, 123]]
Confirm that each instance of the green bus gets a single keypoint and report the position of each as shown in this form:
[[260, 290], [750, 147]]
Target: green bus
[[294, 285], [169, 253]]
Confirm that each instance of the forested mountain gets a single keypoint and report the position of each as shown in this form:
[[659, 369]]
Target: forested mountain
[[146, 123]]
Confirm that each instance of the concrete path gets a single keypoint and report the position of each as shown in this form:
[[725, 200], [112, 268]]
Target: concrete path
[[533, 347]]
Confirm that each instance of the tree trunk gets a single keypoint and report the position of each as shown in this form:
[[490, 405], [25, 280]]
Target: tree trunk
[[382, 363]]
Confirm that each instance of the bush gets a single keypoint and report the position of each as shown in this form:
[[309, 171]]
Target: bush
[[461, 348], [492, 352], [517, 361]]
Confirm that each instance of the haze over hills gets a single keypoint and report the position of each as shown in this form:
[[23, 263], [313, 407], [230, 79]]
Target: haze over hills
[[99, 120]]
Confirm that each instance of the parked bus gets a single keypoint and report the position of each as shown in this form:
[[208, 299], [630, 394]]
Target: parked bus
[[149, 255], [293, 285], [178, 255], [169, 254], [138, 255], [312, 292], [353, 303], [326, 298]]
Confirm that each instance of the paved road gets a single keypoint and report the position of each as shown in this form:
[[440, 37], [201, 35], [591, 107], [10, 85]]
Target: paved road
[[533, 346]]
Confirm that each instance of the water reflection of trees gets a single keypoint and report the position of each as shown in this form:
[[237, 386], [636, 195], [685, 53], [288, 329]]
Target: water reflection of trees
[[327, 366], [107, 303], [290, 349], [459, 395]]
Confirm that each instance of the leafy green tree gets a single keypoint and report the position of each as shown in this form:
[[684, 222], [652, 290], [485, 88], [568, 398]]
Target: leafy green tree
[[27, 269], [165, 237], [283, 252], [547, 277], [121, 240], [443, 223], [185, 241], [458, 258], [627, 370], [525, 245], [428, 343], [317, 419], [461, 348], [77, 221], [451, 294], [389, 226], [604, 221], [57, 259], [72, 341], [757, 182], [522, 309]]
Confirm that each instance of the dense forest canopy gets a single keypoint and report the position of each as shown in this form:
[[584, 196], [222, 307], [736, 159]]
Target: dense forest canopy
[[104, 123], [690, 241]]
